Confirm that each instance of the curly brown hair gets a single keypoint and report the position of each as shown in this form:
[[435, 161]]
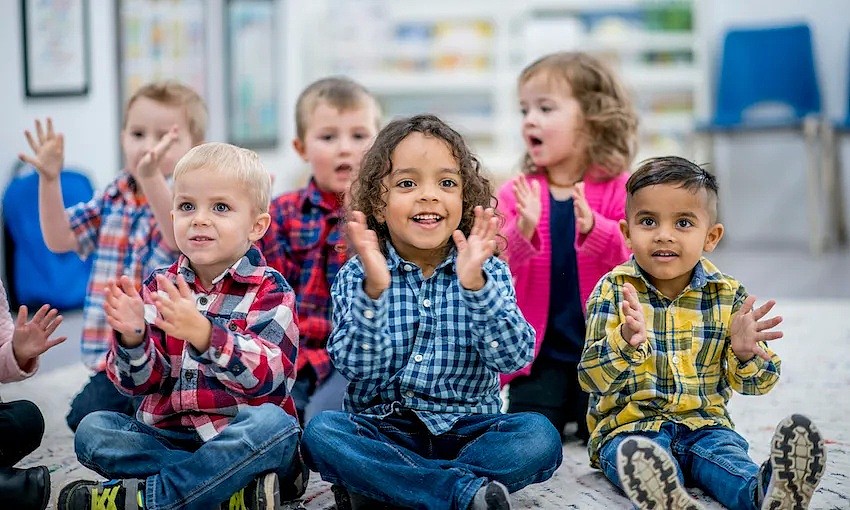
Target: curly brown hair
[[610, 121], [369, 190]]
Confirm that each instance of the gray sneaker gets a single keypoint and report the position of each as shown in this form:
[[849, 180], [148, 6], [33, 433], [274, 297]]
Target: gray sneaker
[[797, 460], [649, 477]]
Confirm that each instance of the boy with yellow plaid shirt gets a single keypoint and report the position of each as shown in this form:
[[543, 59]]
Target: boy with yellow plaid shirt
[[668, 339]]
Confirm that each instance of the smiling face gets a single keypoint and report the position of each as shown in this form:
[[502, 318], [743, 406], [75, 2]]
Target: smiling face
[[334, 143], [215, 221], [425, 199], [668, 229], [552, 126], [147, 122]]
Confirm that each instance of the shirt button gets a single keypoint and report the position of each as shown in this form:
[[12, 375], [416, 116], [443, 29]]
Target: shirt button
[[494, 344], [366, 347], [417, 358], [231, 327], [408, 267], [675, 360], [426, 302], [189, 376], [409, 393], [216, 353], [203, 300], [369, 314]]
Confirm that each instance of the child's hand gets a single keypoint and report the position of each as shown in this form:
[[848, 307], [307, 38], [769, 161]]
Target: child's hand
[[583, 212], [48, 151], [527, 205], [365, 243], [747, 329], [178, 315], [634, 328], [30, 338], [477, 248], [125, 311], [149, 163]]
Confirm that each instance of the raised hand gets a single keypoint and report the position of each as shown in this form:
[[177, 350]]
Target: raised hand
[[747, 330], [48, 148], [31, 338], [528, 205], [125, 310], [583, 212], [365, 242], [474, 250], [149, 163], [634, 327], [178, 315]]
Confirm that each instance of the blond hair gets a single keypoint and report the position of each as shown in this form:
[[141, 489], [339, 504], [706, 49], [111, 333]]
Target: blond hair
[[173, 93], [610, 121], [337, 91], [233, 162]]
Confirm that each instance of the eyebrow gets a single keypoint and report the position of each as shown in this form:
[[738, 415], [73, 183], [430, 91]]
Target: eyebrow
[[398, 171]]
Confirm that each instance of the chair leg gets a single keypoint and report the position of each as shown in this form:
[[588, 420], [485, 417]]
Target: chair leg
[[814, 196], [832, 184]]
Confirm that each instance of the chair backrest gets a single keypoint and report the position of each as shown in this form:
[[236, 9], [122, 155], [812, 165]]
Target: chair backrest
[[767, 65], [35, 275]]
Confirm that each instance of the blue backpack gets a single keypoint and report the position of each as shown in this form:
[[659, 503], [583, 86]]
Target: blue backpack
[[35, 275]]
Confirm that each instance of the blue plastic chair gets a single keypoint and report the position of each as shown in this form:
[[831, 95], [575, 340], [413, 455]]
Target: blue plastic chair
[[772, 66]]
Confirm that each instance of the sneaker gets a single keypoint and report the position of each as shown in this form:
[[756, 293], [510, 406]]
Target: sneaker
[[796, 463], [261, 493], [493, 496], [295, 485], [649, 477], [110, 495]]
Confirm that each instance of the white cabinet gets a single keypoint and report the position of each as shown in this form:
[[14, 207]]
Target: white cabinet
[[460, 60]]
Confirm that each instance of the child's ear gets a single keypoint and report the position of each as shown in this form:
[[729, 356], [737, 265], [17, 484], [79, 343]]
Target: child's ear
[[300, 147], [715, 233], [624, 229], [258, 229]]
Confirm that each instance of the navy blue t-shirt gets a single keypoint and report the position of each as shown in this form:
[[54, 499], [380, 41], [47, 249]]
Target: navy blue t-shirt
[[564, 337]]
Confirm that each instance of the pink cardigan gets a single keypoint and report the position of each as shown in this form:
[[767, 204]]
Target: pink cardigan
[[9, 369], [531, 261]]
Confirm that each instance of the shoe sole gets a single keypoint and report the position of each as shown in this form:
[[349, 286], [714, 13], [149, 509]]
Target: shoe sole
[[269, 494], [496, 496], [798, 456], [649, 477]]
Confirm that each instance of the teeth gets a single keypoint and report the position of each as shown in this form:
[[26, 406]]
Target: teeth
[[435, 217]]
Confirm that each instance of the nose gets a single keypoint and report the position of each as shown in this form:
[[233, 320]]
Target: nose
[[200, 218], [664, 234], [529, 119], [346, 145], [428, 192]]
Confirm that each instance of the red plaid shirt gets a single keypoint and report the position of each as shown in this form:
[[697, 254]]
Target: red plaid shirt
[[306, 245], [250, 361]]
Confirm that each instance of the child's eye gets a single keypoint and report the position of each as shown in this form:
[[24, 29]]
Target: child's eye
[[523, 111], [360, 136], [185, 206], [546, 109], [138, 134], [327, 138], [684, 223], [646, 222], [406, 183], [221, 207], [448, 183]]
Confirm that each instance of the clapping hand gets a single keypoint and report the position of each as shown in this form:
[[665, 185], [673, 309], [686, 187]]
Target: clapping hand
[[474, 250], [48, 148], [528, 207], [583, 212], [634, 327], [365, 242], [31, 338], [747, 330]]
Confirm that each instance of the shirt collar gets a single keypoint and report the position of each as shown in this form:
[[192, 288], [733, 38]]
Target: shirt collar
[[250, 268], [312, 196], [704, 273]]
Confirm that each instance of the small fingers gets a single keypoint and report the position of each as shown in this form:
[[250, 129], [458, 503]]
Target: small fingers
[[39, 131], [762, 310], [33, 145], [50, 133]]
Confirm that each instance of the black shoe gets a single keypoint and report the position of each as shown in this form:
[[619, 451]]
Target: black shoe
[[649, 477], [109, 495], [493, 496], [24, 489], [295, 484], [796, 464], [261, 493]]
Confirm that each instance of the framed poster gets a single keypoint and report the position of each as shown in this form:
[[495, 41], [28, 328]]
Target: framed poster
[[161, 39], [55, 47], [251, 73]]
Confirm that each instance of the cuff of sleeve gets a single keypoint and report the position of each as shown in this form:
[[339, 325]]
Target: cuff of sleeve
[[137, 353], [220, 348], [746, 369], [521, 248], [634, 355], [597, 240], [367, 311], [487, 297]]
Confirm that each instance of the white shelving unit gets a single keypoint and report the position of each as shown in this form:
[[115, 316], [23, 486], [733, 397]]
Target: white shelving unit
[[460, 60]]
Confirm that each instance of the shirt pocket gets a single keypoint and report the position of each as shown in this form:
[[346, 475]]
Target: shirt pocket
[[708, 344]]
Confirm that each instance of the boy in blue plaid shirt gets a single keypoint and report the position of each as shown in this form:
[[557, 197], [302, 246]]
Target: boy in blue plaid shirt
[[669, 337], [425, 319]]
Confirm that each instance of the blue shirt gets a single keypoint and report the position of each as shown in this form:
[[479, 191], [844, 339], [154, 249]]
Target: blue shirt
[[427, 344], [564, 336]]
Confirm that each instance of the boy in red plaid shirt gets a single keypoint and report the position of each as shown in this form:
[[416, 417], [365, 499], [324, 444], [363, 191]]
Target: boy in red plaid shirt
[[211, 342], [336, 120]]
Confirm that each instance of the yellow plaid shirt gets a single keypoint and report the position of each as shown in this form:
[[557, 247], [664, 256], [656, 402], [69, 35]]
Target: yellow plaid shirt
[[684, 373]]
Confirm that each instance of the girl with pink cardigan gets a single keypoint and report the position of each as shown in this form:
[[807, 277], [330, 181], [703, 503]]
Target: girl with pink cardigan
[[21, 422], [562, 219]]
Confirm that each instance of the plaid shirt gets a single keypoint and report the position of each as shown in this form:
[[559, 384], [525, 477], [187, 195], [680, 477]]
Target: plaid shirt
[[427, 344], [119, 230], [306, 245], [685, 372], [250, 361]]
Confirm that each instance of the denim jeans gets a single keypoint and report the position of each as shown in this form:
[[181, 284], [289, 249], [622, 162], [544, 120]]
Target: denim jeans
[[311, 399], [396, 459], [179, 469], [715, 459], [99, 394]]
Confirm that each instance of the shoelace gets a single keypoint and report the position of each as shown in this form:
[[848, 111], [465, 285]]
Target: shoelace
[[237, 501], [104, 499]]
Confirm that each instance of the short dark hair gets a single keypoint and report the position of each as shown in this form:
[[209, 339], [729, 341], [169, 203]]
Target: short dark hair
[[337, 91], [673, 170]]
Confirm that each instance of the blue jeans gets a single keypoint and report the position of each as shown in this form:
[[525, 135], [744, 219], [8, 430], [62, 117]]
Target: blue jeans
[[715, 459], [397, 460], [179, 469], [99, 394]]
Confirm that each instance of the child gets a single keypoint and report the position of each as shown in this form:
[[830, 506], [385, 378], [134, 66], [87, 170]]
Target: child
[[21, 422], [424, 320], [211, 343], [336, 121], [668, 339], [127, 228], [562, 220]]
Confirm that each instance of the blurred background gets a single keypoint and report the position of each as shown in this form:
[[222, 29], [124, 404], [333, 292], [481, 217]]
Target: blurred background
[[757, 90]]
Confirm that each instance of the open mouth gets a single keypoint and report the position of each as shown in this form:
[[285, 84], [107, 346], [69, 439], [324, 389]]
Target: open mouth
[[427, 218], [344, 168], [664, 254], [200, 239], [534, 141]]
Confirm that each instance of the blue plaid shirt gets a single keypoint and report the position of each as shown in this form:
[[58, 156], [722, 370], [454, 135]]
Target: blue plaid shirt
[[427, 345]]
